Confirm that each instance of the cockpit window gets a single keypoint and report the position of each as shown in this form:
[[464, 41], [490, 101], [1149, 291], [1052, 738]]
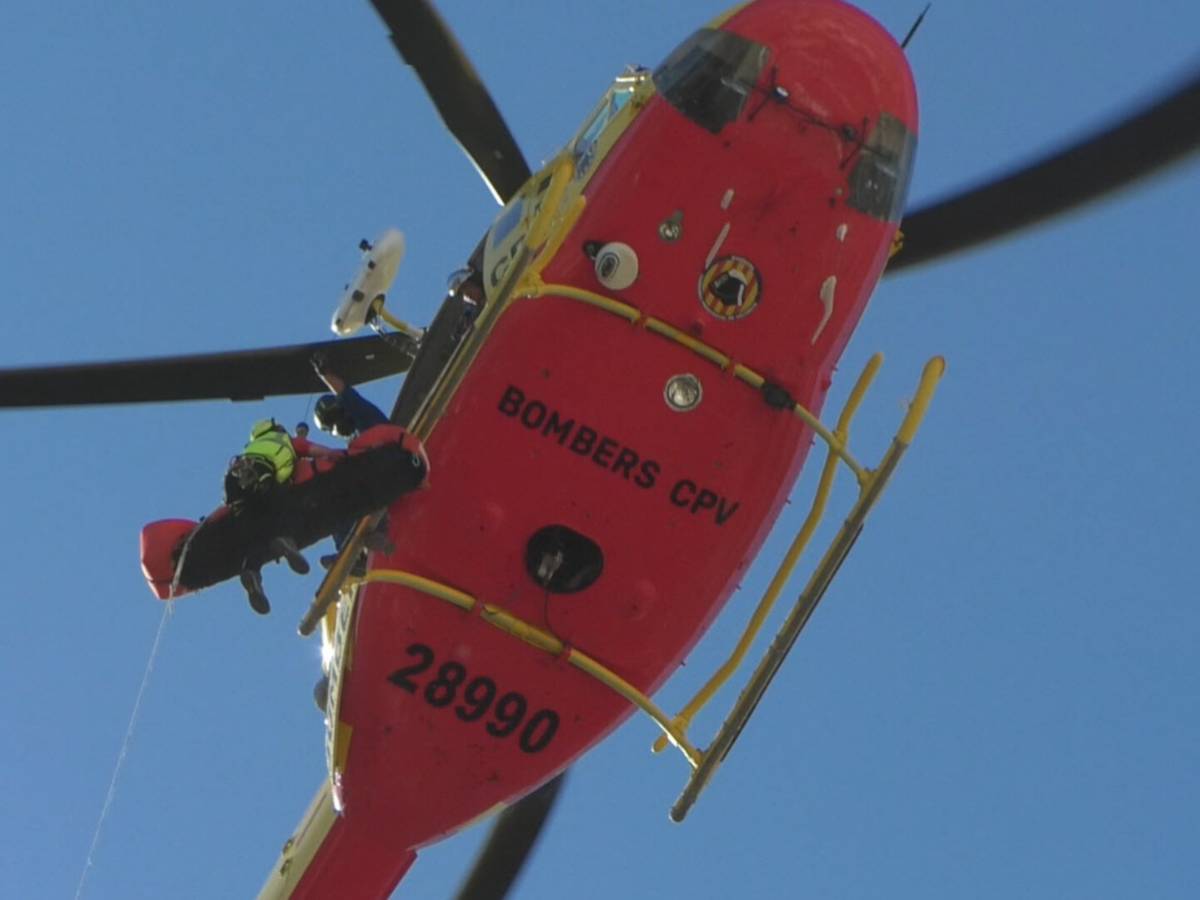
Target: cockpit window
[[709, 76], [879, 179], [614, 101], [507, 221]]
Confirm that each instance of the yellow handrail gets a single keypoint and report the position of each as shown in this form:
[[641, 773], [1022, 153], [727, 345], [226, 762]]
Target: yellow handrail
[[534, 289], [539, 228], [424, 585], [930, 376], [543, 640]]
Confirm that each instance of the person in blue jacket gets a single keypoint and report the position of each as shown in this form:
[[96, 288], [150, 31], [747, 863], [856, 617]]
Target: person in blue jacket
[[346, 413]]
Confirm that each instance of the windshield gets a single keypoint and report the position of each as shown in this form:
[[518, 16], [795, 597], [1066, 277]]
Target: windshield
[[709, 76]]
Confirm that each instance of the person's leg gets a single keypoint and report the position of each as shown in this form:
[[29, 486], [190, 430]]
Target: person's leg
[[286, 548], [252, 581]]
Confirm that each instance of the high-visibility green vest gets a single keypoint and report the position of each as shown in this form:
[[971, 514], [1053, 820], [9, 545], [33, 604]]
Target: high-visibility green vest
[[270, 442]]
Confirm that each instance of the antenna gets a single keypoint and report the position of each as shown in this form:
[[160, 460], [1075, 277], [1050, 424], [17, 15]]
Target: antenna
[[915, 25]]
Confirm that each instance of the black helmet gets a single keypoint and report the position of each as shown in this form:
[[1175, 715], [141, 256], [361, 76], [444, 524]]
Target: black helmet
[[330, 416], [457, 279]]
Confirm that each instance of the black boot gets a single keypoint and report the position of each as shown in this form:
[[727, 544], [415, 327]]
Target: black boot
[[285, 547], [252, 582]]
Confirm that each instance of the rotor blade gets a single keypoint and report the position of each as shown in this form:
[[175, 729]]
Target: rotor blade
[[426, 43], [240, 375], [510, 842], [1086, 170]]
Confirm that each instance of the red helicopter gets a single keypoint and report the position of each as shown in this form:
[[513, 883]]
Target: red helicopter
[[609, 493]]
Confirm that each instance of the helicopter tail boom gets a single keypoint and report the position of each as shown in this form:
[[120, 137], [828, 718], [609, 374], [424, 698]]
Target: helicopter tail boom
[[335, 856]]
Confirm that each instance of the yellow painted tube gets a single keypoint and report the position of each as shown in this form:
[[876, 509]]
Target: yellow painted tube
[[616, 307], [680, 337], [859, 391], [427, 586], [749, 376], [930, 376], [401, 326], [558, 186], [560, 228], [657, 326], [830, 439], [719, 678], [586, 664], [820, 501], [519, 628], [543, 640], [327, 593]]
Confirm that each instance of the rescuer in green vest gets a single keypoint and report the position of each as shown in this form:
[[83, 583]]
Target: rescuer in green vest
[[267, 462], [270, 442]]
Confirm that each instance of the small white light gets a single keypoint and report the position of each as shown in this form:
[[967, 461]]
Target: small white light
[[683, 392], [336, 793]]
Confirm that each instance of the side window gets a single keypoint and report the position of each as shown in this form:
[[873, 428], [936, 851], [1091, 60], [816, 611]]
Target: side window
[[709, 76], [508, 220], [584, 150], [879, 179]]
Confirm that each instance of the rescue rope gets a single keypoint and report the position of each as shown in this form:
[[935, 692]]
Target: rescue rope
[[168, 609]]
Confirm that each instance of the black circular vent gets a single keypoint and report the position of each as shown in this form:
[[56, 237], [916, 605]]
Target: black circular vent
[[562, 560]]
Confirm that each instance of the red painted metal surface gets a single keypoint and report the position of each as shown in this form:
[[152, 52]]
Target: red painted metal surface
[[355, 861], [678, 502]]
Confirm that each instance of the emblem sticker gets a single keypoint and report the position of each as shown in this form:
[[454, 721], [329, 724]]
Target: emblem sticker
[[730, 288]]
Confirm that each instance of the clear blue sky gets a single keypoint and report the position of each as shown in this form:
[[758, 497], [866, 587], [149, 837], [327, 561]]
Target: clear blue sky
[[999, 696]]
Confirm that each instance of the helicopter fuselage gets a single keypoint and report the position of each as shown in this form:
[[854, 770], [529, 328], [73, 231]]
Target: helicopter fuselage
[[601, 473]]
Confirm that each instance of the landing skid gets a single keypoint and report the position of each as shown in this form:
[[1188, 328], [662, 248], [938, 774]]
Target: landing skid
[[871, 485]]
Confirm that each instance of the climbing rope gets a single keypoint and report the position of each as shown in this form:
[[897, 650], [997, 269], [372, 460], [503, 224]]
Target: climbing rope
[[168, 609]]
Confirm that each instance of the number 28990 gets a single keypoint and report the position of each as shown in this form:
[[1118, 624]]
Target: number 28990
[[476, 700]]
